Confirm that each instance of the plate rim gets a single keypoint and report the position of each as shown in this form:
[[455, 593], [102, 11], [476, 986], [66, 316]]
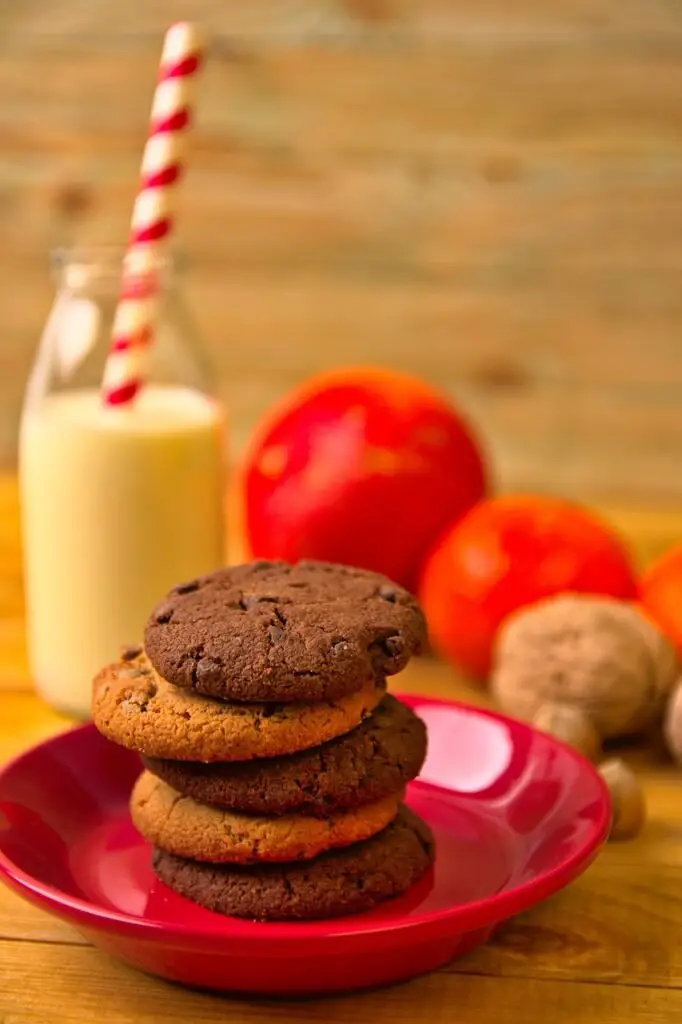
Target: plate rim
[[452, 920]]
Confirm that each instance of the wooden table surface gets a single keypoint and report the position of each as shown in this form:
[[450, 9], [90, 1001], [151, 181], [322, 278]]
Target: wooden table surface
[[606, 950]]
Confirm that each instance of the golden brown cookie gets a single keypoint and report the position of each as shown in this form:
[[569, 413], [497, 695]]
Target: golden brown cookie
[[133, 706], [269, 631], [377, 758], [344, 881], [187, 829]]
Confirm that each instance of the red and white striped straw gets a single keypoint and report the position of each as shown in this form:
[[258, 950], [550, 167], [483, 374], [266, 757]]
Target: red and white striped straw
[[125, 371]]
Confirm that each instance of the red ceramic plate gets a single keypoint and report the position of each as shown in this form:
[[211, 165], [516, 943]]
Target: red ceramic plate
[[516, 816]]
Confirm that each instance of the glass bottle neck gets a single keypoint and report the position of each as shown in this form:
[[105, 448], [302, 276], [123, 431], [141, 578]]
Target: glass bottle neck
[[98, 270]]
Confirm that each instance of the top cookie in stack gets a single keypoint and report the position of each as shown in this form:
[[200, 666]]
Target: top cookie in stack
[[275, 761], [274, 632]]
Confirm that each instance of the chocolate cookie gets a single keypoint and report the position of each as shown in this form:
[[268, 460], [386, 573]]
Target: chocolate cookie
[[133, 706], [275, 632], [180, 825], [341, 882], [377, 758]]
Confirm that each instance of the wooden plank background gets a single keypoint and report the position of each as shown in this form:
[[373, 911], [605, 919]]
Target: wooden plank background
[[489, 194]]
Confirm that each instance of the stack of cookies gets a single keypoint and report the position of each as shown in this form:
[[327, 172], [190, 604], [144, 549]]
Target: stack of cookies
[[275, 763]]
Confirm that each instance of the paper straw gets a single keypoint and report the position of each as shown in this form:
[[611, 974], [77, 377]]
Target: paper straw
[[153, 215]]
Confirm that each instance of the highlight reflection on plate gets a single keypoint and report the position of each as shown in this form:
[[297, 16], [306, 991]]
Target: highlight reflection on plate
[[481, 755], [516, 816]]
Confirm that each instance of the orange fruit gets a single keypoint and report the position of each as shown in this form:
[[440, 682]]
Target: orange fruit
[[508, 552], [660, 592]]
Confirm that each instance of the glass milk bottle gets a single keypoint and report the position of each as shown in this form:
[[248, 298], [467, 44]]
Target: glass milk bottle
[[118, 503]]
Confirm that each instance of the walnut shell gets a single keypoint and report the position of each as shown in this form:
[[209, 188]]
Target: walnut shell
[[597, 654], [666, 660], [672, 724]]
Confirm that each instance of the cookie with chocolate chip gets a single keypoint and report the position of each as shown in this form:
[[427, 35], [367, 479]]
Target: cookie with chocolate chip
[[344, 881], [269, 631], [180, 825], [136, 708], [377, 758]]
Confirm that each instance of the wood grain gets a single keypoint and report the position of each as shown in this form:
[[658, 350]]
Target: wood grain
[[129, 996], [286, 21], [490, 197]]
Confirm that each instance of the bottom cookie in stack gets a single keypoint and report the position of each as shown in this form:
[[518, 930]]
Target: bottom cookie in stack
[[333, 884], [317, 833]]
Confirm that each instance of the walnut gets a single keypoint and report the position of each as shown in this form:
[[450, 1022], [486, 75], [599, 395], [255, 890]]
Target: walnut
[[596, 654], [672, 725]]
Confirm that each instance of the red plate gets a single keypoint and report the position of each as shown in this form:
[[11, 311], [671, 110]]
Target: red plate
[[516, 816]]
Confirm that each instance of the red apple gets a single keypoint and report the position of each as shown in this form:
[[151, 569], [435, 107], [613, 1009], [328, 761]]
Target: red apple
[[364, 466]]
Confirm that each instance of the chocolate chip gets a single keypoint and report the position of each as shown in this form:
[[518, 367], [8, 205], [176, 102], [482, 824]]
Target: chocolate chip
[[130, 653], [164, 614], [186, 588], [388, 594], [389, 646], [275, 633], [394, 646], [248, 601], [139, 701], [207, 671]]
